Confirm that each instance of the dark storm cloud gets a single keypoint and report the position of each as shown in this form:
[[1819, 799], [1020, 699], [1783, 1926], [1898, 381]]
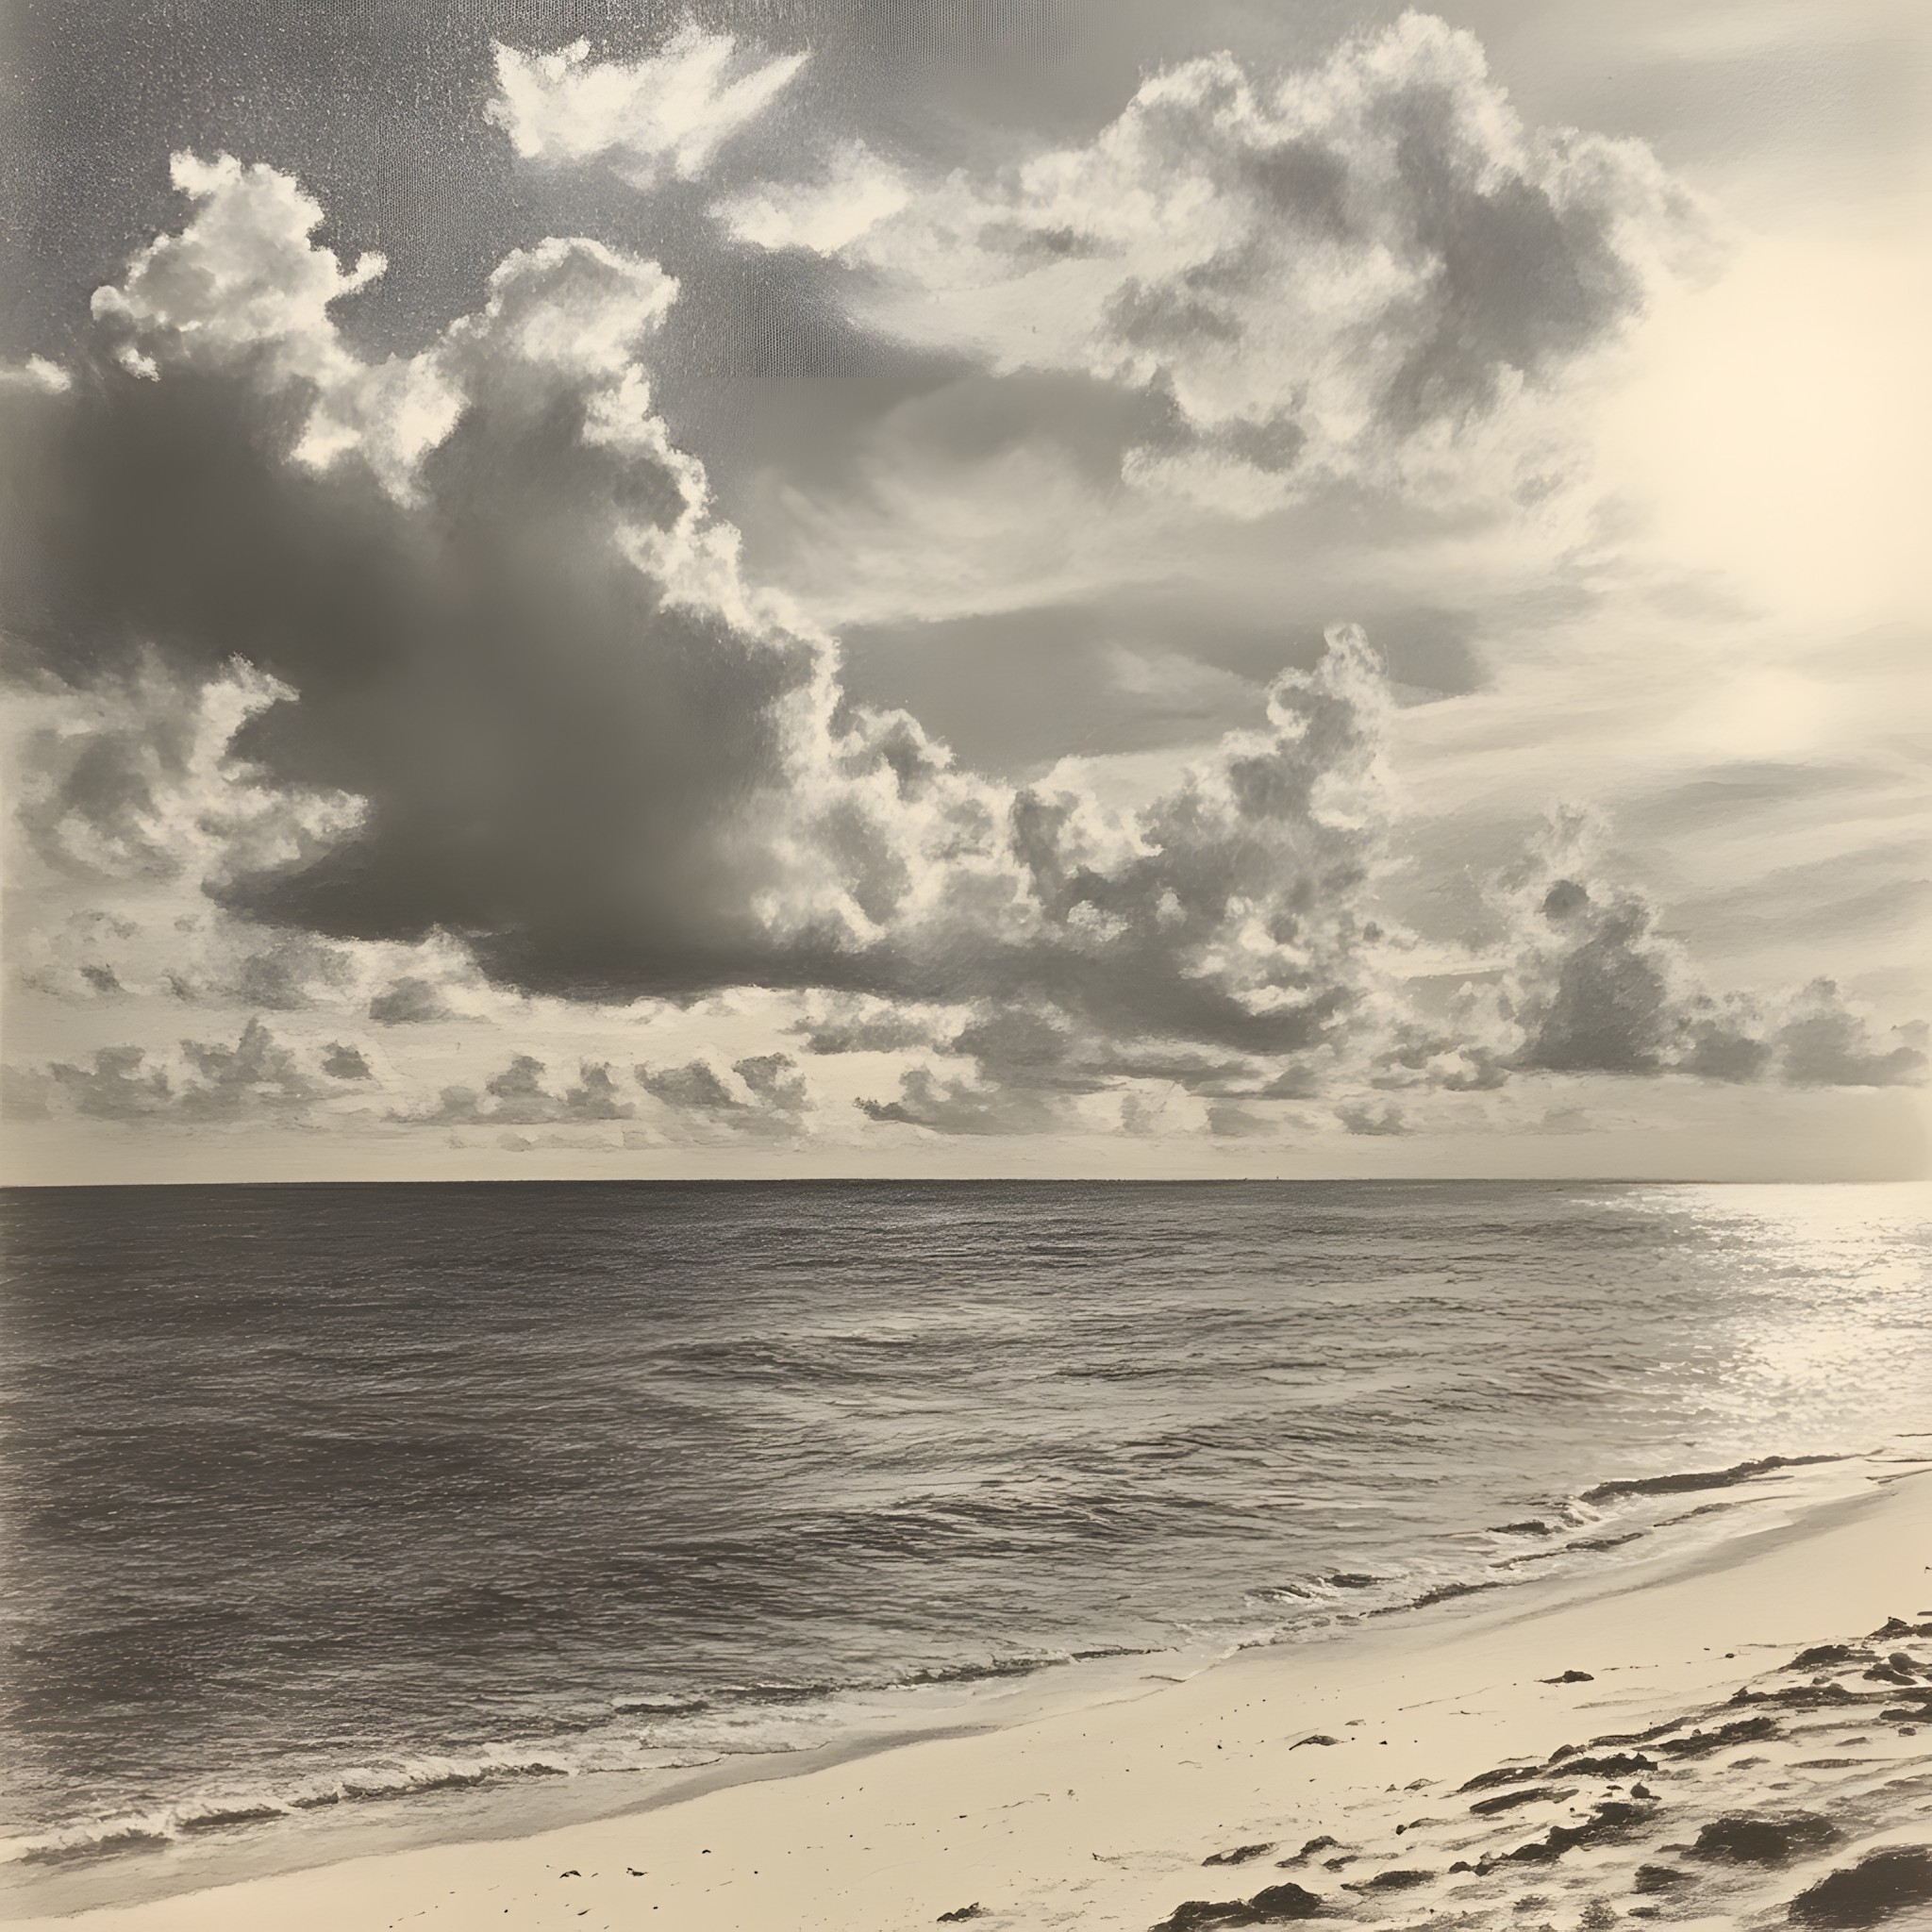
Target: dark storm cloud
[[548, 742]]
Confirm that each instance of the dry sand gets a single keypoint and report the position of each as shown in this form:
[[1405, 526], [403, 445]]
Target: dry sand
[[1116, 1815]]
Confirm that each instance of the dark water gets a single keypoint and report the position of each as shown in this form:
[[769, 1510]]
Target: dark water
[[317, 1494]]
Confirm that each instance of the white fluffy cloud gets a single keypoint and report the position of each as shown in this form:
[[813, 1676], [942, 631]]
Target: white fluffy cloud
[[667, 113], [1338, 275], [856, 192], [137, 776]]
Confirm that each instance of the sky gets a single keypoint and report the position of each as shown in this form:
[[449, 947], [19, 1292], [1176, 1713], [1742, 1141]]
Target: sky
[[965, 588]]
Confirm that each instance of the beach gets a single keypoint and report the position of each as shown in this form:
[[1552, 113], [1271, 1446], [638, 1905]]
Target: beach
[[1393, 1742]]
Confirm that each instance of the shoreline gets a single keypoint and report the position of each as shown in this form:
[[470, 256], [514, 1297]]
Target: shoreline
[[1160, 1774], [140, 1857]]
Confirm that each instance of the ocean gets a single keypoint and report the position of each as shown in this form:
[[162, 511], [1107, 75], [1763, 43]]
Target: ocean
[[331, 1510]]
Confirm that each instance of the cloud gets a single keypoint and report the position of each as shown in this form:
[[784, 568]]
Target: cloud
[[1333, 275], [666, 114], [568, 730], [857, 193], [81, 961], [518, 1097], [1822, 1043], [1593, 986], [205, 1083], [1228, 1121], [762, 1095], [958, 1105], [36, 373], [860, 1025], [409, 1002], [499, 675], [137, 778], [243, 284], [1365, 1117]]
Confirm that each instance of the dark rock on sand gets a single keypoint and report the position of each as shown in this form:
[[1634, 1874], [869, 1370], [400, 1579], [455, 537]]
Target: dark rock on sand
[[1610, 1819], [1820, 1655], [1502, 1774], [1658, 1878], [1240, 1855], [1869, 1892], [1392, 1881], [1747, 1730], [1610, 1738], [976, 1910], [1617, 1764], [1890, 1673], [1277, 1905], [1814, 1696], [1319, 1738], [1569, 1677], [1508, 1801], [1308, 1850], [1897, 1626], [1744, 1837]]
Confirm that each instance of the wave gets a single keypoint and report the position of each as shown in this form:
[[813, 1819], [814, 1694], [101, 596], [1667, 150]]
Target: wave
[[670, 1730], [205, 1814]]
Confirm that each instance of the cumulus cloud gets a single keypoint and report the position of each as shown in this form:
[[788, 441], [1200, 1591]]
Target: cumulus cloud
[[762, 1095], [853, 1025], [1593, 986], [579, 740], [201, 1083], [137, 776], [666, 114], [959, 1106], [1821, 1042], [519, 1097], [371, 651], [1333, 274]]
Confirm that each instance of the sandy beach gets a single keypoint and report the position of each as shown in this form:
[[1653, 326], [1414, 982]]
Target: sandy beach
[[1654, 1744]]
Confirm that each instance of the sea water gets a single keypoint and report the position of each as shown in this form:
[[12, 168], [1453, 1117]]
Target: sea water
[[321, 1500]]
